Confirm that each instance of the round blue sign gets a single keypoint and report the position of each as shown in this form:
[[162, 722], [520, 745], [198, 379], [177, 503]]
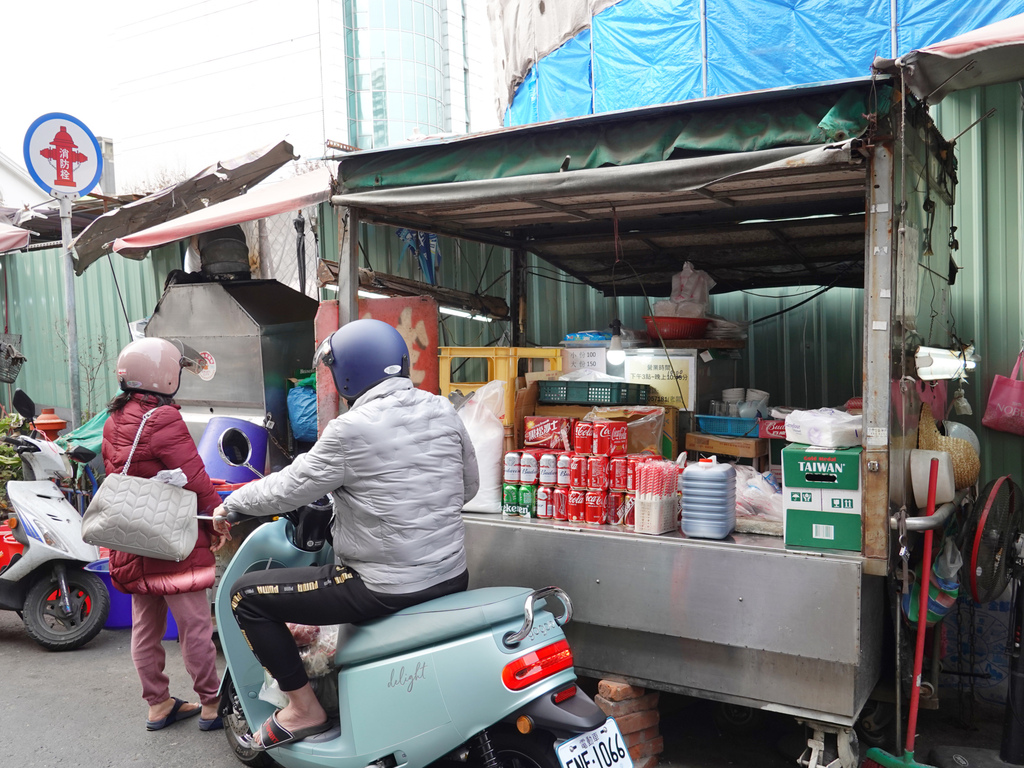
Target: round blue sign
[[62, 155]]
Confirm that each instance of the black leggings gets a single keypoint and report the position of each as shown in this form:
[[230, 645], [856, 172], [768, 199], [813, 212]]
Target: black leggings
[[263, 601]]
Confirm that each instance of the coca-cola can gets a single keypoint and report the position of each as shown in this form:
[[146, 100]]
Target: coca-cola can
[[629, 511], [583, 437], [545, 504], [528, 468], [616, 508], [547, 472], [562, 468], [559, 503], [597, 473], [576, 505], [632, 476], [618, 470], [610, 438], [596, 507], [578, 471], [511, 471]]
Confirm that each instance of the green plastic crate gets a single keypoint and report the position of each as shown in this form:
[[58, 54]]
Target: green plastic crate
[[593, 392]]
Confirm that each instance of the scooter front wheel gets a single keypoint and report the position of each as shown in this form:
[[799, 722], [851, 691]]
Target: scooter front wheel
[[238, 732], [48, 624]]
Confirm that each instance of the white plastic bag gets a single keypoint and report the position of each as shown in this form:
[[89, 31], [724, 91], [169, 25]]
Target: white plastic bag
[[757, 495], [825, 427], [482, 414]]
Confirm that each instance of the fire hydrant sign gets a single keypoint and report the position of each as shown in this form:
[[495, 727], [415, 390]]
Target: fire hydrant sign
[[62, 155]]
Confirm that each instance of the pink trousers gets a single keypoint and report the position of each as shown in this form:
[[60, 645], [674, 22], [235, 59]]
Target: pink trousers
[[191, 611]]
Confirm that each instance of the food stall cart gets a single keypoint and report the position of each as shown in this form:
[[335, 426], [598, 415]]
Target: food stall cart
[[775, 188]]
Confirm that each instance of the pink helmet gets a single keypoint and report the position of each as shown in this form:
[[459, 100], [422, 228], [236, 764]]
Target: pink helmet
[[154, 365]]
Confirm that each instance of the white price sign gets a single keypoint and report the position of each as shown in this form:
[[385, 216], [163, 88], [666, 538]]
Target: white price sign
[[672, 378], [590, 358]]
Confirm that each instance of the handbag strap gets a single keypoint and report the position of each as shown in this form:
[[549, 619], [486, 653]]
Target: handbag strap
[[136, 443], [1016, 368]]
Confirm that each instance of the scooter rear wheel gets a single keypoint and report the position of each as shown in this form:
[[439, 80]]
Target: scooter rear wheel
[[46, 622], [515, 750], [238, 732]]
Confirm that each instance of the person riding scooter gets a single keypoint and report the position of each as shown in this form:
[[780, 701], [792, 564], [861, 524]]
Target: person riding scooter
[[399, 466]]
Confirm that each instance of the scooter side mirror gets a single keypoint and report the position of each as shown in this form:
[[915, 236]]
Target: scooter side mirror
[[236, 450], [24, 405]]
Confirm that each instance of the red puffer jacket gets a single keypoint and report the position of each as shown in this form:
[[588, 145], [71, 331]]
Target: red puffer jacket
[[165, 444]]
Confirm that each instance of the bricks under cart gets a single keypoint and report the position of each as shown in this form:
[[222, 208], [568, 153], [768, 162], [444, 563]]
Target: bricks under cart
[[636, 713]]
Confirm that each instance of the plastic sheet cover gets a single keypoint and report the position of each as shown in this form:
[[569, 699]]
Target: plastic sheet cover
[[563, 80], [646, 52], [776, 43], [523, 109], [923, 22]]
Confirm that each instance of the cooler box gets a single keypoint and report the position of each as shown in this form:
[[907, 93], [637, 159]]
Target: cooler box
[[120, 616], [822, 493]]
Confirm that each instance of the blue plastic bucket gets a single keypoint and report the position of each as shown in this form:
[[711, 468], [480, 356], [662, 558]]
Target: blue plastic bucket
[[120, 616], [216, 466]]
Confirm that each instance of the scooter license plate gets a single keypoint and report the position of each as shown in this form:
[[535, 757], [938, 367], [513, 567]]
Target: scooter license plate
[[602, 747]]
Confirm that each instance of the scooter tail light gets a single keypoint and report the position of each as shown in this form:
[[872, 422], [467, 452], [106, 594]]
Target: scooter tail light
[[537, 665]]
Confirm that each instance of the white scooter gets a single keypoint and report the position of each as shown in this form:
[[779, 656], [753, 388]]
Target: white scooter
[[63, 605]]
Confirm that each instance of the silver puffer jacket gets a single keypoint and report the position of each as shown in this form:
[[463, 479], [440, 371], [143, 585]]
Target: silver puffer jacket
[[399, 465]]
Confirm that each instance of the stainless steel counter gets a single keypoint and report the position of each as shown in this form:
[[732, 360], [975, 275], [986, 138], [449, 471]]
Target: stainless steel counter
[[743, 620]]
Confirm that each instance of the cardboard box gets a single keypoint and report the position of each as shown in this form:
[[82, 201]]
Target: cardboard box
[[822, 492], [669, 442], [741, 447], [822, 530], [771, 429]]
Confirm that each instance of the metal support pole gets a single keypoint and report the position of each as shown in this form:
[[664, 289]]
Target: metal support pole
[[348, 265], [517, 297], [69, 303]]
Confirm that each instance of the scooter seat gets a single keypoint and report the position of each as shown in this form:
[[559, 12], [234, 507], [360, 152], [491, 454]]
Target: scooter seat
[[428, 623]]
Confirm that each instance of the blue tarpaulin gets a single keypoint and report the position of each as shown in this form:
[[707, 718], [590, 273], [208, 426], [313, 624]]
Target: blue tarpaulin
[[646, 52], [752, 46], [565, 76]]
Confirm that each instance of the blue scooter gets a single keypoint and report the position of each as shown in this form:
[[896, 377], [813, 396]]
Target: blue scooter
[[483, 677]]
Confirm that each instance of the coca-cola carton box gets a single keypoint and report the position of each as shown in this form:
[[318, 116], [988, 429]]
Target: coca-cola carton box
[[552, 432]]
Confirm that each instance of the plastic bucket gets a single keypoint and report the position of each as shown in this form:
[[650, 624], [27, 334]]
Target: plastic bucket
[[120, 616], [210, 453], [9, 546]]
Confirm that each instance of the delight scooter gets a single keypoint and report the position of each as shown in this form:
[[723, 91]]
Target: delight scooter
[[63, 605], [484, 677]]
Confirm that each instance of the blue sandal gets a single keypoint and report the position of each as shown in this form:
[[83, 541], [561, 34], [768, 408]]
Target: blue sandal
[[173, 716]]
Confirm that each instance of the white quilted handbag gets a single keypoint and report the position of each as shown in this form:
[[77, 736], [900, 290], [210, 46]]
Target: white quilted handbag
[[141, 515]]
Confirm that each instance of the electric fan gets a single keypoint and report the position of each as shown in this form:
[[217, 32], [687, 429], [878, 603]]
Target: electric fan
[[991, 548]]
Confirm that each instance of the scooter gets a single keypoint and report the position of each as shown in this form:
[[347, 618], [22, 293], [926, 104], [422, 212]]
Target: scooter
[[63, 605], [483, 677]]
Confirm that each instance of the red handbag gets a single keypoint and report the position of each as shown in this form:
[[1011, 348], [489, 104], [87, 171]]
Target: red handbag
[[1005, 409]]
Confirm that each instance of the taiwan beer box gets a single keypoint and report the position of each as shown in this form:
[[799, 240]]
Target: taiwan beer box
[[822, 493]]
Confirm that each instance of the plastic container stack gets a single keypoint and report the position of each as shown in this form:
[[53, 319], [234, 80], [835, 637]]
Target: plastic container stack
[[709, 500]]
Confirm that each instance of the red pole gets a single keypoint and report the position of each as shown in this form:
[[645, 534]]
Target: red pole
[[924, 585]]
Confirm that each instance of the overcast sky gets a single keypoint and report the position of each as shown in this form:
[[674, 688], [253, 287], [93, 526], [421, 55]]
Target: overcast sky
[[56, 57]]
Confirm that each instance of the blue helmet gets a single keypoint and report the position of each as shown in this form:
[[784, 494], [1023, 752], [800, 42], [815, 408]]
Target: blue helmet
[[361, 354]]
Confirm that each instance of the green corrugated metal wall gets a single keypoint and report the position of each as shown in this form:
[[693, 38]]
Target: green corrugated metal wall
[[989, 214], [35, 308]]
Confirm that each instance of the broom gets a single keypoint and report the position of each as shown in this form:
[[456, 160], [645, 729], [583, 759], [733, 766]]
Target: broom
[[879, 757]]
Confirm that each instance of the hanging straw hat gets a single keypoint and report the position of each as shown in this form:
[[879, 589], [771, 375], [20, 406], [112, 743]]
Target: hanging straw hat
[[966, 464]]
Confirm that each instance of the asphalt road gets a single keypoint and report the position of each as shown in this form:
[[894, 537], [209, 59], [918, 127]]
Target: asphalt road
[[84, 708]]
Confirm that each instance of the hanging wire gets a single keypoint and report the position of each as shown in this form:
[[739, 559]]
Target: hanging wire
[[650, 308], [117, 285]]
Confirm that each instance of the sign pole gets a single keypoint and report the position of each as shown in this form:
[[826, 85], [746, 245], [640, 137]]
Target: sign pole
[[64, 158], [69, 304]]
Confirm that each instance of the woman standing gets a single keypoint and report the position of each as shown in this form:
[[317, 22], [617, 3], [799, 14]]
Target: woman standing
[[149, 373]]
